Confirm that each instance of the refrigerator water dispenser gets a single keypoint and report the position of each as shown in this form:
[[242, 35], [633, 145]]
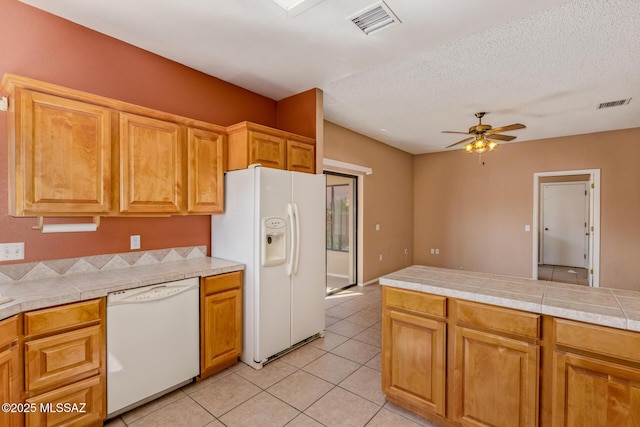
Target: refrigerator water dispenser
[[273, 241]]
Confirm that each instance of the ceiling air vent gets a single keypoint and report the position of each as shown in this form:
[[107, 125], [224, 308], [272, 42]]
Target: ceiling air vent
[[374, 18], [614, 103]]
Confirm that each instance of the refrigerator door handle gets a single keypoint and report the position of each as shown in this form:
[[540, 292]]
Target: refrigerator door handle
[[292, 229], [297, 254]]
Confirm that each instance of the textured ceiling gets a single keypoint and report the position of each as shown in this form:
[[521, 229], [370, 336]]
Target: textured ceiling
[[547, 64]]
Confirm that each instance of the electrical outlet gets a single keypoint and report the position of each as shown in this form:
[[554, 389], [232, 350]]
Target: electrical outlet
[[377, 227], [433, 251], [380, 257], [527, 228], [135, 242], [11, 251], [437, 251]]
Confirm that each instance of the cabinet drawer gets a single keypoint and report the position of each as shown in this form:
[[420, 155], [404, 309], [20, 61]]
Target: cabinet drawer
[[78, 404], [8, 331], [414, 301], [499, 319], [221, 282], [598, 339], [61, 317], [62, 358]]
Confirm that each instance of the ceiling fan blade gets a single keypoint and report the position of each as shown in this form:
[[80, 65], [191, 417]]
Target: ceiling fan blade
[[460, 142], [514, 126], [451, 131], [500, 137]]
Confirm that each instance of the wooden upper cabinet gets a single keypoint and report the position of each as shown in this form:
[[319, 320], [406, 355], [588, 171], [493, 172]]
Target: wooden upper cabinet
[[75, 153], [301, 157], [151, 178], [250, 143], [205, 171], [59, 155]]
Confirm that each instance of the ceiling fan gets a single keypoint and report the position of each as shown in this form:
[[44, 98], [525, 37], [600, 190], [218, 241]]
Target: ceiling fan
[[482, 135]]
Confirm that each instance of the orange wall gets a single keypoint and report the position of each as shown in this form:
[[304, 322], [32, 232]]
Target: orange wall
[[476, 214], [388, 198], [297, 113], [42, 46]]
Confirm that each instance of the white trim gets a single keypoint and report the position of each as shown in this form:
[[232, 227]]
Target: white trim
[[348, 168], [594, 217], [370, 282]]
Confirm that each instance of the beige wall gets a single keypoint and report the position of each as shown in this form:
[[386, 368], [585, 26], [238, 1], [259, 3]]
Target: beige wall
[[387, 198], [475, 214]]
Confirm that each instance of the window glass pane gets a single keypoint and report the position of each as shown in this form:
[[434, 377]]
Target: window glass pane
[[338, 217]]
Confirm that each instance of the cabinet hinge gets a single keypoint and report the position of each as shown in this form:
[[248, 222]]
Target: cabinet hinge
[[591, 271], [4, 104], [593, 186]]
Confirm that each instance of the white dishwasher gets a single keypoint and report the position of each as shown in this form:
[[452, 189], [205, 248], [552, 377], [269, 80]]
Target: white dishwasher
[[153, 342]]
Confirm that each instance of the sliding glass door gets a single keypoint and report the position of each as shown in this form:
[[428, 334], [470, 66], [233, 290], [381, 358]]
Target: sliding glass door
[[341, 231]]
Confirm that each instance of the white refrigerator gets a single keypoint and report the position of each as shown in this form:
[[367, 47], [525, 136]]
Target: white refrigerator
[[274, 222]]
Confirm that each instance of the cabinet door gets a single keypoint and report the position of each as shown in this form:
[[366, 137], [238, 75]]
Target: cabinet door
[[301, 157], [205, 179], [10, 385], [151, 168], [413, 360], [268, 150], [78, 404], [61, 155], [496, 380], [222, 334], [592, 392]]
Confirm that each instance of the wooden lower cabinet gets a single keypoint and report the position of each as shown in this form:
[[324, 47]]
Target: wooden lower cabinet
[[414, 350], [496, 381], [592, 392], [78, 404], [10, 371], [65, 364], [221, 322], [596, 376]]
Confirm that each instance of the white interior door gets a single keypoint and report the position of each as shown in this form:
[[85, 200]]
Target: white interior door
[[564, 221], [308, 281]]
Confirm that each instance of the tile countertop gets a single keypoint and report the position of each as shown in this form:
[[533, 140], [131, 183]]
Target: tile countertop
[[601, 306], [35, 294]]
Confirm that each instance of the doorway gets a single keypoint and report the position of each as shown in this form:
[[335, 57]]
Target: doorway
[[341, 231], [564, 217], [566, 223]]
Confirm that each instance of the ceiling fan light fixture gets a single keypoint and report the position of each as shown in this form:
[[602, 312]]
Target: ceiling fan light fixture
[[480, 145]]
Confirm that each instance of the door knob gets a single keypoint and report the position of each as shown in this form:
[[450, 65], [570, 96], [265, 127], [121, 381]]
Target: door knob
[[546, 229]]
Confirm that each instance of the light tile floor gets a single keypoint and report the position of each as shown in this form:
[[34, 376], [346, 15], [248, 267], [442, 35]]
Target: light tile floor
[[558, 273], [332, 381]]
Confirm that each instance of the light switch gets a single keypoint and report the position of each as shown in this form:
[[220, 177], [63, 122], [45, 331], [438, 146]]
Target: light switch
[[11, 251], [527, 228]]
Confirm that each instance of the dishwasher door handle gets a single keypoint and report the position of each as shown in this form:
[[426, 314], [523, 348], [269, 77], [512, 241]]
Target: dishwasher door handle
[[149, 294]]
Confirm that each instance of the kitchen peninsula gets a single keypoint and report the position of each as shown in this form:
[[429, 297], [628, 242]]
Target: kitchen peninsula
[[464, 348]]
